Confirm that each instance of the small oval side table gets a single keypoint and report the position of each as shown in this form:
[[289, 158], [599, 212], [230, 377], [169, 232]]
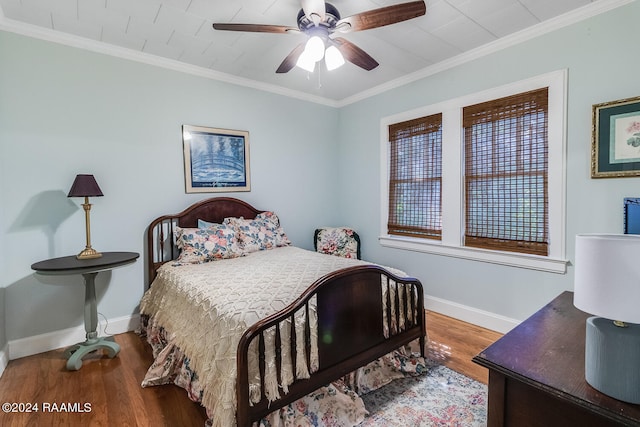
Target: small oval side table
[[89, 268]]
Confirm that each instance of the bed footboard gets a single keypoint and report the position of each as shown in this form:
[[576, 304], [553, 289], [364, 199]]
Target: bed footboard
[[363, 313]]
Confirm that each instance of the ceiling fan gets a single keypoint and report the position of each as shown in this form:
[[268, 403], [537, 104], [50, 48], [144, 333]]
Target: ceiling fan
[[321, 22]]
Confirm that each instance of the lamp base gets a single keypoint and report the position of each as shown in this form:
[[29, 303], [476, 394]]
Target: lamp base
[[611, 359], [88, 253]]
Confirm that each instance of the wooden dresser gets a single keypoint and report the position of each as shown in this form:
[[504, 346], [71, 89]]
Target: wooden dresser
[[536, 375]]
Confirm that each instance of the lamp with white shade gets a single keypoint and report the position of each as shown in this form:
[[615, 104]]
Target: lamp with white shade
[[607, 285]]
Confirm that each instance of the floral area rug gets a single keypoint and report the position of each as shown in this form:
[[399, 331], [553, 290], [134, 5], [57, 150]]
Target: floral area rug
[[441, 398]]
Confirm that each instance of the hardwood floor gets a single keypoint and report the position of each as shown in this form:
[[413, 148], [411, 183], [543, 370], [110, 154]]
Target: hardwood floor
[[107, 392], [454, 343]]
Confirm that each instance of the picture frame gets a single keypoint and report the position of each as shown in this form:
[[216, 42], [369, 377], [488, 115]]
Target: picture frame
[[215, 160], [615, 150], [631, 215]]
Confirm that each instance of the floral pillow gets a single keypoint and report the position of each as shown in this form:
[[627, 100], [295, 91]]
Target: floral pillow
[[206, 224], [281, 237], [340, 241], [198, 245], [263, 232]]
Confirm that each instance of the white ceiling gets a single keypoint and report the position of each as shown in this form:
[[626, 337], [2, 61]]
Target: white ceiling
[[181, 31]]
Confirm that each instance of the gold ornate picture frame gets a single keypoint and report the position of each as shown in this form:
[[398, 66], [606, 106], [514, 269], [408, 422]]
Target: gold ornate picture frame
[[615, 149]]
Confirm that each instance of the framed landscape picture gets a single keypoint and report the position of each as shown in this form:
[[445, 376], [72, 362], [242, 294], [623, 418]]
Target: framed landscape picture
[[215, 160], [615, 150]]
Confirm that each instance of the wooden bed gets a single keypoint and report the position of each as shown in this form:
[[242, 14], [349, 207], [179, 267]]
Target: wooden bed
[[349, 305]]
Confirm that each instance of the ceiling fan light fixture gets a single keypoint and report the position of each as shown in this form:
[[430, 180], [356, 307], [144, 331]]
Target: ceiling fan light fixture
[[306, 63], [320, 21], [333, 58], [314, 10], [314, 49], [317, 19]]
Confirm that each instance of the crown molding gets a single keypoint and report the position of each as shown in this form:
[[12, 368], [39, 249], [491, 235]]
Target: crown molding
[[577, 15], [545, 27], [58, 37]]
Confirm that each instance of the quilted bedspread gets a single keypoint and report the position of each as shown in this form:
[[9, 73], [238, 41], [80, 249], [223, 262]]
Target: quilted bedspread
[[207, 307]]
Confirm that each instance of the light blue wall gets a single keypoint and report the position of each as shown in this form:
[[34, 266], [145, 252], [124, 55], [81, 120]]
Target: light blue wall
[[601, 56], [3, 336], [65, 111]]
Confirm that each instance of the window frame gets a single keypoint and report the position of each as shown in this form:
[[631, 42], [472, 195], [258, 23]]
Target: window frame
[[452, 242]]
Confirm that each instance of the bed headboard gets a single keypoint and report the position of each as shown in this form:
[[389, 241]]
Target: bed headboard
[[161, 246]]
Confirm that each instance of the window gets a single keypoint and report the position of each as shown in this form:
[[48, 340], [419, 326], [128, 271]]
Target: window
[[415, 178], [480, 177], [505, 151]]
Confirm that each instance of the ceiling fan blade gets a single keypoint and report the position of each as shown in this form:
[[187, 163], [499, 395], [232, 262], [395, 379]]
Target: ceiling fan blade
[[256, 28], [354, 54], [380, 17], [314, 10], [291, 59]]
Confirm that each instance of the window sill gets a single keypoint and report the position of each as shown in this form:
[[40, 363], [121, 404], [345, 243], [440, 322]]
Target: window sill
[[512, 259]]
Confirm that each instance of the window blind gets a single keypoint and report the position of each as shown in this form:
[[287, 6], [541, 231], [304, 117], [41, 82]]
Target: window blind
[[415, 178], [506, 165]]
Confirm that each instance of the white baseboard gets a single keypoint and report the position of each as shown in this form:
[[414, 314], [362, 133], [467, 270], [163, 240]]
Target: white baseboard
[[28, 346], [67, 337], [485, 319], [4, 358]]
